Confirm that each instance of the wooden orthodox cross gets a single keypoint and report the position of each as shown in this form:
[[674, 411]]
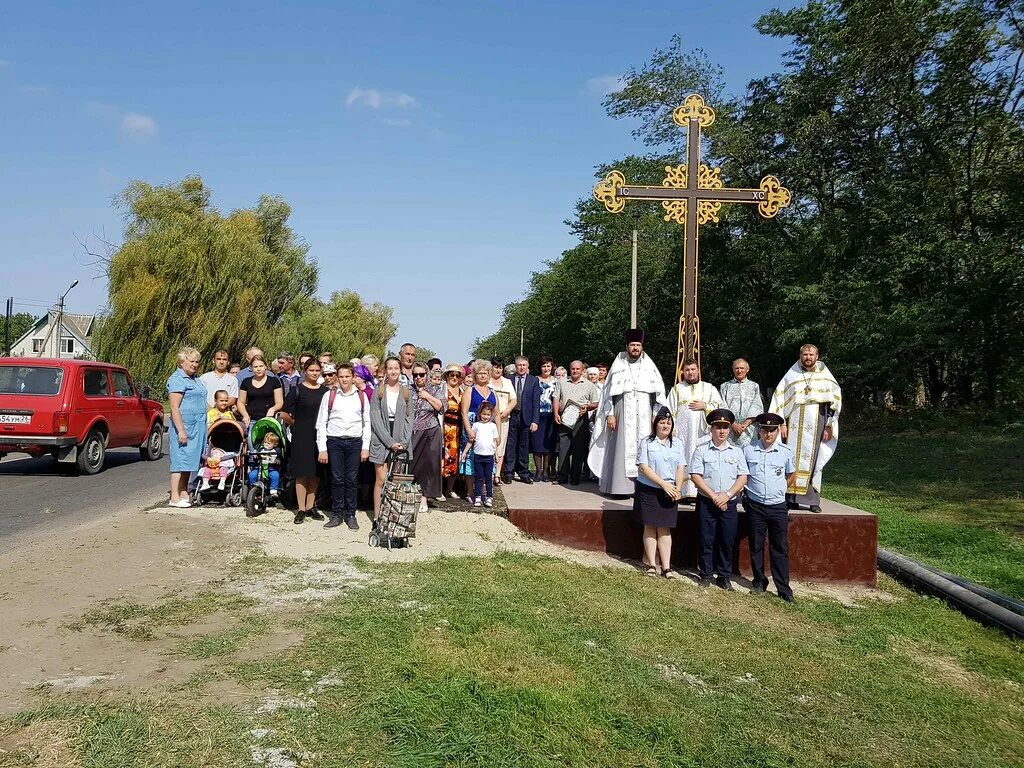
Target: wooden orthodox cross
[[691, 199]]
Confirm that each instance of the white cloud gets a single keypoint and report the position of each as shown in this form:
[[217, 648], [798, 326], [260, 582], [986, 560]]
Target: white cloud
[[137, 126], [374, 99], [392, 122], [605, 84]]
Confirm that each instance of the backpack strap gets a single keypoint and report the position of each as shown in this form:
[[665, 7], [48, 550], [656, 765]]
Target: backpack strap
[[334, 394]]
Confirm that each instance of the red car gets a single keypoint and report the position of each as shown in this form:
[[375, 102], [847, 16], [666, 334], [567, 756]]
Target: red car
[[75, 410]]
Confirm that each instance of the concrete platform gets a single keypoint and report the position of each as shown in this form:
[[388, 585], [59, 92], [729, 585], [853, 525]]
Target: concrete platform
[[836, 545]]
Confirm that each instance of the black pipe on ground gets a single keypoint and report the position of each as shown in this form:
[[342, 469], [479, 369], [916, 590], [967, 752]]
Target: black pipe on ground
[[919, 576], [989, 594]]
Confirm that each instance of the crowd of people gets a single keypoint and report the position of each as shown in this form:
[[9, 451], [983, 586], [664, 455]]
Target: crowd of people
[[464, 428]]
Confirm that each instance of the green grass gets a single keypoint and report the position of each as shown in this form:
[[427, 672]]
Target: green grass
[[953, 500], [140, 622], [136, 734], [522, 661], [542, 663]]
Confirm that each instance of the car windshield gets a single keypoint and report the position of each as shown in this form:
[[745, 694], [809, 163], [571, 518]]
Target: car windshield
[[30, 380]]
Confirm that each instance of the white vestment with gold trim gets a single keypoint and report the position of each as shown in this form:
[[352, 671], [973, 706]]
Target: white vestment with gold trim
[[691, 427], [799, 399]]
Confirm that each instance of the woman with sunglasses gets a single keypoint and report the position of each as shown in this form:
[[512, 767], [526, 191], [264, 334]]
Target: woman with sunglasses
[[453, 376], [426, 433]]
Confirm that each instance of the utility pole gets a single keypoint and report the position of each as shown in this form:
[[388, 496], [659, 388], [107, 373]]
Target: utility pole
[[522, 338], [632, 305], [7, 326], [60, 315]]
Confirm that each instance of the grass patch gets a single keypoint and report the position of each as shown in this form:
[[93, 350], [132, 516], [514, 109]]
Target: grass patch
[[519, 661], [139, 733], [140, 622], [224, 643], [256, 562], [953, 500], [543, 663]]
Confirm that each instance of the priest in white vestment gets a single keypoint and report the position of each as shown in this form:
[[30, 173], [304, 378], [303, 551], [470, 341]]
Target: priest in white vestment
[[690, 402], [624, 417], [809, 399]]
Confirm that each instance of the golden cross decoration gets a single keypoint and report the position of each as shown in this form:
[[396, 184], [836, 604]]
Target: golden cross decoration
[[691, 199]]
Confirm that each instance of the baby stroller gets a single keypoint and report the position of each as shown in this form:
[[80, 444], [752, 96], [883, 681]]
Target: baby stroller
[[220, 467], [399, 504], [257, 494]]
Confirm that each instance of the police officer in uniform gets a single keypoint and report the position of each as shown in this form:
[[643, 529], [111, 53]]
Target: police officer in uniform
[[772, 469], [719, 471]]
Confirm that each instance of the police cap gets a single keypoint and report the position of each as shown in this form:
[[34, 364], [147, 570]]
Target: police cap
[[721, 416], [769, 420]]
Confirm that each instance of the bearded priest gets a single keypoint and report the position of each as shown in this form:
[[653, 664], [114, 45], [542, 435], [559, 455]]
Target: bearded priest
[[809, 399], [624, 417], [691, 400]]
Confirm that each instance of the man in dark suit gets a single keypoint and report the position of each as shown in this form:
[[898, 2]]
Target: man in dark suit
[[522, 422]]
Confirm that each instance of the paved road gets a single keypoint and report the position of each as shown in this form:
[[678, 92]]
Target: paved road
[[35, 496]]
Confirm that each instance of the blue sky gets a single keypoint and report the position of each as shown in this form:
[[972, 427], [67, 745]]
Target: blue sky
[[430, 151]]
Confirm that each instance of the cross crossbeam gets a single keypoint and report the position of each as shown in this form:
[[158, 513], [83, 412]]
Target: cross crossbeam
[[691, 199]]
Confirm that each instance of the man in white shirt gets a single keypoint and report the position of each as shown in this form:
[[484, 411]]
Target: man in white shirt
[[343, 440], [219, 379]]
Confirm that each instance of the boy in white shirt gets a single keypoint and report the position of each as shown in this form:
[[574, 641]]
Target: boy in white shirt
[[343, 440], [484, 442]]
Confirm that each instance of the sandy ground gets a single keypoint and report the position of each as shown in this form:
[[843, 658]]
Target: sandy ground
[[456, 533]]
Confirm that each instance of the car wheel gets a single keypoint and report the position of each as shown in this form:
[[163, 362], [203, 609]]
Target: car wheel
[[91, 453], [153, 448]]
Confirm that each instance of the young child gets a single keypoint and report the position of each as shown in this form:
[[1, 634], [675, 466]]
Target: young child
[[270, 458], [217, 466], [484, 442], [221, 409]]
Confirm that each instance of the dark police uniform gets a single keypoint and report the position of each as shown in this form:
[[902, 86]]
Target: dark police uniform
[[720, 467], [765, 502]]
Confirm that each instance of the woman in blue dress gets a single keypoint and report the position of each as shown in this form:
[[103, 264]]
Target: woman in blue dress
[[480, 392], [542, 442], [187, 432]]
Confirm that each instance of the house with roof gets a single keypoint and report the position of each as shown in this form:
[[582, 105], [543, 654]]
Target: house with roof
[[73, 341]]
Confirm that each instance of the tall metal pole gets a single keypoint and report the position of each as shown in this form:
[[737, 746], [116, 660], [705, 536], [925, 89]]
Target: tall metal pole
[[60, 316], [632, 306], [522, 338]]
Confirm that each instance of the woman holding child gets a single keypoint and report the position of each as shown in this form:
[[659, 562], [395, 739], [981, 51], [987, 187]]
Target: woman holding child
[[300, 411]]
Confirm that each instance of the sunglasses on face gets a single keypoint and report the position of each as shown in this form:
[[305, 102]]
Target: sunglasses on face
[[418, 375]]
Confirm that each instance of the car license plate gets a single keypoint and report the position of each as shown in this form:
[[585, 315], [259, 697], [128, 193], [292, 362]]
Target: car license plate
[[14, 418]]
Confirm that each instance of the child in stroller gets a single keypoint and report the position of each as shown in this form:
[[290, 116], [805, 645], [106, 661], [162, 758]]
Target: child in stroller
[[218, 476], [264, 464]]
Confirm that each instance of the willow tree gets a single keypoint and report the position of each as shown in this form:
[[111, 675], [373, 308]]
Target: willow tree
[[345, 326], [188, 275]]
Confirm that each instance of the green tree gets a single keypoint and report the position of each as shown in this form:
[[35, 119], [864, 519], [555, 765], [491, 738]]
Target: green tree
[[187, 274], [345, 326], [898, 128], [20, 323]]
